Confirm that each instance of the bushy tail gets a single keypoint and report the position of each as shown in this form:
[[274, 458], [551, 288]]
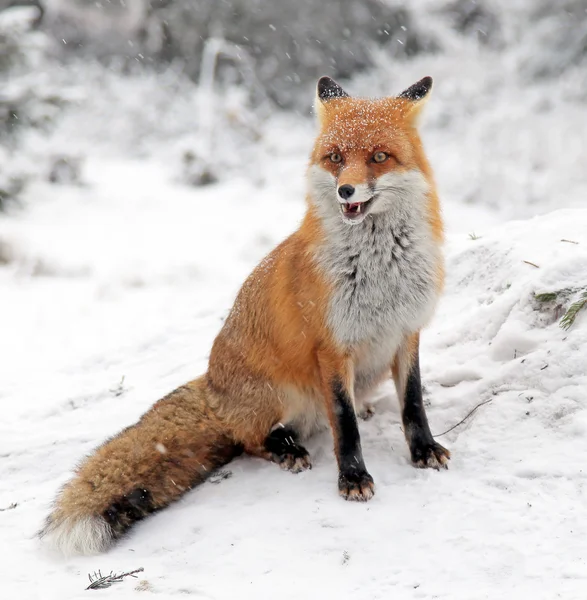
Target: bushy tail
[[174, 446]]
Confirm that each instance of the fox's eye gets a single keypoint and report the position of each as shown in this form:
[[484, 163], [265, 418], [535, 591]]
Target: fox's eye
[[335, 157], [380, 157]]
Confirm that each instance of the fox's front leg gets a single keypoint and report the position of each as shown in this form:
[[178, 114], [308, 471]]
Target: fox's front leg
[[425, 452], [354, 482]]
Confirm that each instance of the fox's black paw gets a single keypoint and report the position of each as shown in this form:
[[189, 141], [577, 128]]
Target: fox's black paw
[[296, 459], [429, 454], [356, 485], [282, 448]]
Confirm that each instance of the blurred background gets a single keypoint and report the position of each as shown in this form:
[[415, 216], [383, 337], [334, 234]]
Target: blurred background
[[199, 84]]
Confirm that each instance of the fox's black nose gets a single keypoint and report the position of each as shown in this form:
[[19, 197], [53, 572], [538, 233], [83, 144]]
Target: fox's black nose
[[346, 191]]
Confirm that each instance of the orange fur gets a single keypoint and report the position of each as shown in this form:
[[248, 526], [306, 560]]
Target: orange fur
[[361, 126]]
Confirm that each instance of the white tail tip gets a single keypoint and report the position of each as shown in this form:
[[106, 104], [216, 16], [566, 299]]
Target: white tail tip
[[74, 536]]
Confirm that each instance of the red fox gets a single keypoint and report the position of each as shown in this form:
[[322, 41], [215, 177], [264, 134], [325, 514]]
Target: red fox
[[327, 316]]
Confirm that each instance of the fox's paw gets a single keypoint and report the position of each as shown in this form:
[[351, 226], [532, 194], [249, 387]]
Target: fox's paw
[[281, 447], [295, 460], [429, 454], [356, 485]]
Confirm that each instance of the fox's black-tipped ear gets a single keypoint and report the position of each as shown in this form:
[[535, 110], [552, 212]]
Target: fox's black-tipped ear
[[329, 89], [418, 91], [417, 95]]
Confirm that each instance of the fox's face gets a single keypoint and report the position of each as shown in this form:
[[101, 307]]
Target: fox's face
[[368, 157]]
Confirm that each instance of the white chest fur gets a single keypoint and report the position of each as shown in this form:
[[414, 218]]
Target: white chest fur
[[384, 271]]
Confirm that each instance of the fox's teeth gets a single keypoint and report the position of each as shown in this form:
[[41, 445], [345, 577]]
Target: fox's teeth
[[359, 208]]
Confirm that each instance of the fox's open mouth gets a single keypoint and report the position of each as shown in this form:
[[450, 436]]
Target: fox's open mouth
[[353, 211]]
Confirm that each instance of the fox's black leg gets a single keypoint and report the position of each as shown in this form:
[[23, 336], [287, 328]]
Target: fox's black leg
[[354, 482], [337, 375], [425, 452], [281, 446]]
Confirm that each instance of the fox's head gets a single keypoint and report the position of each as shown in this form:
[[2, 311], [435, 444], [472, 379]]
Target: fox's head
[[368, 157]]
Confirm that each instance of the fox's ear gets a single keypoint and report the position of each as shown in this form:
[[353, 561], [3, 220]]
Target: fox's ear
[[417, 95], [418, 91], [327, 90]]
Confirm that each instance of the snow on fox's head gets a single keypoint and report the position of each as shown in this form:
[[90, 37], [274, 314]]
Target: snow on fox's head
[[368, 158]]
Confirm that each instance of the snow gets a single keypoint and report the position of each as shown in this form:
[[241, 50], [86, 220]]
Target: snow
[[116, 283], [135, 287]]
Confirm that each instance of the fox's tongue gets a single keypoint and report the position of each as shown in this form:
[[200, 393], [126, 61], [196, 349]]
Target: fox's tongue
[[354, 207]]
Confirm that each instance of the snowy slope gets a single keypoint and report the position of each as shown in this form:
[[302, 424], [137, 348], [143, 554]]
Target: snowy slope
[[124, 285]]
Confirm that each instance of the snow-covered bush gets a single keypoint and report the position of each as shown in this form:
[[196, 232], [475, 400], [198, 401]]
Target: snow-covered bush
[[30, 99], [24, 51], [281, 44], [559, 33]]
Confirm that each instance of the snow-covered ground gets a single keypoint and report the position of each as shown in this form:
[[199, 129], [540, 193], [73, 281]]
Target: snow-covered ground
[[115, 298], [114, 285]]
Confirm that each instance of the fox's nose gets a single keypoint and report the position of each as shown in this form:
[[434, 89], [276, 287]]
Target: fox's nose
[[346, 191]]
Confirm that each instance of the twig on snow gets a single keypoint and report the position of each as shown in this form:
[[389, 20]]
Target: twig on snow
[[219, 476], [99, 581], [465, 418], [531, 263], [119, 389]]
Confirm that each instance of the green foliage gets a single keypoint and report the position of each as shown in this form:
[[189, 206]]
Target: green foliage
[[569, 317], [546, 296], [562, 296]]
